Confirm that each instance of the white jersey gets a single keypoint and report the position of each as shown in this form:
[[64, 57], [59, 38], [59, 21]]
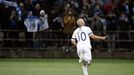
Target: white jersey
[[82, 36], [43, 23], [31, 24]]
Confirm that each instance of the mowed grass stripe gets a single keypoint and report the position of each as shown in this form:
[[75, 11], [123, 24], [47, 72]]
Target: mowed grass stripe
[[65, 67]]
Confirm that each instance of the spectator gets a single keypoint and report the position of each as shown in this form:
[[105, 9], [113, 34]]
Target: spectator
[[29, 5], [126, 7], [59, 2], [22, 12], [87, 4], [13, 25], [13, 20], [96, 8], [5, 12], [31, 22], [76, 6], [36, 10], [86, 7], [123, 26], [67, 7], [43, 21], [69, 22], [57, 26], [96, 24], [109, 6], [123, 22], [96, 1], [111, 21], [43, 26]]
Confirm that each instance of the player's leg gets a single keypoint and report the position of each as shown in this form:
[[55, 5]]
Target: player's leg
[[80, 57], [86, 60], [81, 60], [85, 68], [80, 54]]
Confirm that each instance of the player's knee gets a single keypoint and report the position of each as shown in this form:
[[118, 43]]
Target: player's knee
[[86, 59], [87, 63]]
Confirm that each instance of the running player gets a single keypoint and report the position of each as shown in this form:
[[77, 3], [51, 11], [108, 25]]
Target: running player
[[81, 40]]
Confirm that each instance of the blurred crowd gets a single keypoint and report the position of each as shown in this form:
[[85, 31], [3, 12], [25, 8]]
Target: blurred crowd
[[60, 16]]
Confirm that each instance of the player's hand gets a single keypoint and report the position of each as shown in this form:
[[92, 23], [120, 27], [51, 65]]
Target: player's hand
[[106, 37]]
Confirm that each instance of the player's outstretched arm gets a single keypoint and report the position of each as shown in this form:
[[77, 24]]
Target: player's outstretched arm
[[96, 37]]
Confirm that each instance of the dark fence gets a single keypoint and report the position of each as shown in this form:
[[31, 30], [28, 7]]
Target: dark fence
[[56, 44]]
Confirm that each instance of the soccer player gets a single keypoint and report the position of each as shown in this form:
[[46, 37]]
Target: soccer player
[[81, 39]]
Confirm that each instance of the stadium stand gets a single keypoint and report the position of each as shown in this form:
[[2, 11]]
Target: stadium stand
[[105, 17]]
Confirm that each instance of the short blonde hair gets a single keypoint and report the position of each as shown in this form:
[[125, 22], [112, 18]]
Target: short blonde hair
[[80, 22]]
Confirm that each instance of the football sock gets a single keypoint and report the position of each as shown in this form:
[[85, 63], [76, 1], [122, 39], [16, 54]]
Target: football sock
[[85, 70]]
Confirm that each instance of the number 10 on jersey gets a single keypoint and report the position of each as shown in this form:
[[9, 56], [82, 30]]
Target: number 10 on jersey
[[81, 36]]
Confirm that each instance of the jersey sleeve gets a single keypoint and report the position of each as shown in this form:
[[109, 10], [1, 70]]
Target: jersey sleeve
[[89, 31], [74, 35]]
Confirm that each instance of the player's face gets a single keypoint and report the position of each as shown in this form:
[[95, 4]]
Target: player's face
[[80, 22]]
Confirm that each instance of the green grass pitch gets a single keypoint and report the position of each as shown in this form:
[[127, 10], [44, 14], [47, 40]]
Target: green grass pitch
[[65, 67]]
